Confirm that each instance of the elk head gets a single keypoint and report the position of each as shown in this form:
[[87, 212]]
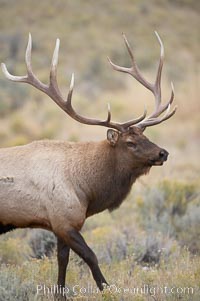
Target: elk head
[[126, 136]]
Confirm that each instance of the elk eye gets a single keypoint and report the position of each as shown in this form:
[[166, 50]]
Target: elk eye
[[131, 144]]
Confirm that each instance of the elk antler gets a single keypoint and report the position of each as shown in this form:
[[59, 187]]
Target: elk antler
[[53, 91], [155, 88]]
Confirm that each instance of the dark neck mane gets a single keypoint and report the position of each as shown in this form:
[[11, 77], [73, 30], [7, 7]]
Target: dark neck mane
[[112, 184]]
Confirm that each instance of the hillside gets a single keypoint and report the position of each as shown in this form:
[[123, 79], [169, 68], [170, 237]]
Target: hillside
[[90, 31]]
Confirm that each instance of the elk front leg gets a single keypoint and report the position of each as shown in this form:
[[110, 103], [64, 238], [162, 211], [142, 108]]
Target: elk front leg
[[63, 259], [79, 246]]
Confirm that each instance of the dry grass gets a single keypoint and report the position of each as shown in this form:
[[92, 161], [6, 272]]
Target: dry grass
[[89, 32]]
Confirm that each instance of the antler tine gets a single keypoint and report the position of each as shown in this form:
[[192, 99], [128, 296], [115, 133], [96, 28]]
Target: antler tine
[[71, 89], [109, 113], [66, 105], [133, 70], [70, 110], [30, 78], [54, 63], [150, 121], [154, 121], [159, 108], [157, 88], [11, 77], [28, 55], [14, 78], [164, 107]]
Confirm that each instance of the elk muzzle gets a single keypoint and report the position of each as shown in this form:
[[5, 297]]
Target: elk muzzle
[[160, 158]]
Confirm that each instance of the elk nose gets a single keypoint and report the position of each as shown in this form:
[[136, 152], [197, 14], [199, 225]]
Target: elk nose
[[163, 154]]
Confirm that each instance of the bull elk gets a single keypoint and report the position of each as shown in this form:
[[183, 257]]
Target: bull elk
[[56, 185]]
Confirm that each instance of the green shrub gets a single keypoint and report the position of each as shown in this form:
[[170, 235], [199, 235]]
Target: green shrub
[[42, 243], [172, 208]]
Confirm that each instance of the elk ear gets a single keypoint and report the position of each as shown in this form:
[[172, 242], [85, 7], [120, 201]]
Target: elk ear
[[112, 136]]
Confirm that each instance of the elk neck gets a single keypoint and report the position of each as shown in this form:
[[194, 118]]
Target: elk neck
[[105, 176]]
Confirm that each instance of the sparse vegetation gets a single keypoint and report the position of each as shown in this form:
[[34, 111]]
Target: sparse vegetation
[[154, 238], [42, 243], [173, 209]]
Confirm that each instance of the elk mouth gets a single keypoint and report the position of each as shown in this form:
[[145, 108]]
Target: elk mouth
[[156, 162]]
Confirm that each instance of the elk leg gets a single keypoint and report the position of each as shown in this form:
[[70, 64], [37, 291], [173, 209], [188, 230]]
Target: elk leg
[[63, 259], [79, 246]]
